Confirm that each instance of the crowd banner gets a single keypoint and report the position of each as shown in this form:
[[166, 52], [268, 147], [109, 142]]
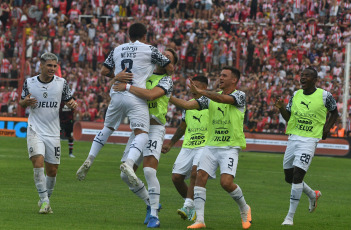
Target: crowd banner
[[258, 142]]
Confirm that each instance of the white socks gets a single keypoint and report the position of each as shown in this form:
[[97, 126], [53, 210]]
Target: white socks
[[154, 189], [50, 184], [238, 196], [140, 190], [40, 184], [99, 141], [296, 192], [137, 147], [189, 203], [199, 201], [308, 191]]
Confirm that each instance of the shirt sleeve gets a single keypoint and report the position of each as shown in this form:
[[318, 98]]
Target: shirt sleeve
[[158, 58], [166, 84], [240, 98], [330, 102], [25, 90], [203, 102], [66, 92], [109, 62], [183, 115], [288, 106]]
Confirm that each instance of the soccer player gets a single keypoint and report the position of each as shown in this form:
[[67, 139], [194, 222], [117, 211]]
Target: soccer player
[[43, 94], [225, 139], [306, 114], [136, 62], [159, 87], [66, 124], [194, 126]]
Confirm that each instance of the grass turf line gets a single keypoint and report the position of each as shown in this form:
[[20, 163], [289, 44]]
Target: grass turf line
[[103, 201]]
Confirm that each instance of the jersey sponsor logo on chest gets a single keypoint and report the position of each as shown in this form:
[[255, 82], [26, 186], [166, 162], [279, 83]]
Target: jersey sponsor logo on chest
[[47, 104]]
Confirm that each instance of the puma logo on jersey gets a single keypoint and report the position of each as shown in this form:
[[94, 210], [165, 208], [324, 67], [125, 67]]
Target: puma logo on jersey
[[197, 118], [149, 81], [303, 103], [221, 110], [47, 104]]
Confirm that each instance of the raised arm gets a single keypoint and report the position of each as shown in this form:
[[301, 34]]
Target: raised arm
[[147, 94], [184, 104], [282, 109], [214, 96]]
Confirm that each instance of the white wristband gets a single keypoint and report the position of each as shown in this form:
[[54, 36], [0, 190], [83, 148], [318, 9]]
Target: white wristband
[[127, 87]]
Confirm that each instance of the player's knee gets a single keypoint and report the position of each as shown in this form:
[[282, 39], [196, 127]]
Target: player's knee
[[288, 179], [227, 183], [193, 175], [51, 172], [177, 178]]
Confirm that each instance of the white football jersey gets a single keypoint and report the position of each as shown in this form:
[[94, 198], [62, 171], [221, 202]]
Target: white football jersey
[[44, 116], [139, 59]]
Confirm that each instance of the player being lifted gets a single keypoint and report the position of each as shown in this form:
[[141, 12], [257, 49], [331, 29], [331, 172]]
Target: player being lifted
[[306, 114], [43, 93], [133, 62], [159, 87], [225, 139], [194, 125]]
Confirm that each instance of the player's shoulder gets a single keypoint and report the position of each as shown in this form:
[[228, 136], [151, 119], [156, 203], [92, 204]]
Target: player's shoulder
[[32, 80], [239, 93], [59, 79]]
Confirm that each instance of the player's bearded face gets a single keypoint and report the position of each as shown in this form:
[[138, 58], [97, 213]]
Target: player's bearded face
[[48, 68]]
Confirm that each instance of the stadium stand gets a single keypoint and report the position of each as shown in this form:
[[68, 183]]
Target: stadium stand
[[270, 42]]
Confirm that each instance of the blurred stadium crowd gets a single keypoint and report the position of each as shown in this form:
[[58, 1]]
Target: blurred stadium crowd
[[270, 40]]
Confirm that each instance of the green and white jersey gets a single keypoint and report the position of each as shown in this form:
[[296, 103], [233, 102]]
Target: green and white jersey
[[226, 122], [158, 108], [196, 128], [309, 112]]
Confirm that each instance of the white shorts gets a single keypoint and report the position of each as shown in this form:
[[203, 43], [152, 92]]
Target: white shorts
[[299, 154], [224, 157], [49, 147], [122, 105], [153, 146], [186, 159]]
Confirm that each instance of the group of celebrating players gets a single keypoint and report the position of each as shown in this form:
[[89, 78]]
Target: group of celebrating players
[[212, 125]]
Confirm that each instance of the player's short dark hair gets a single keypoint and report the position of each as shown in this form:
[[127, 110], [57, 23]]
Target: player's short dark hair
[[175, 55], [315, 73], [201, 79], [234, 71], [137, 31], [48, 56]]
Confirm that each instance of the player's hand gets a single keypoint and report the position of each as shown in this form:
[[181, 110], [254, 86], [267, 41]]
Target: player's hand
[[119, 87], [123, 76], [72, 104], [166, 148], [279, 103], [28, 101], [193, 88]]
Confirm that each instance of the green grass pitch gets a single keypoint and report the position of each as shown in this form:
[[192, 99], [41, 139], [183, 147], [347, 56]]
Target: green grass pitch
[[103, 201]]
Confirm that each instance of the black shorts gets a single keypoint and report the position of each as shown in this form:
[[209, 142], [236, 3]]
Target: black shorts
[[67, 129]]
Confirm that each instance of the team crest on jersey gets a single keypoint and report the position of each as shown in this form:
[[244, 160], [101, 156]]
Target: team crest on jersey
[[45, 94]]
